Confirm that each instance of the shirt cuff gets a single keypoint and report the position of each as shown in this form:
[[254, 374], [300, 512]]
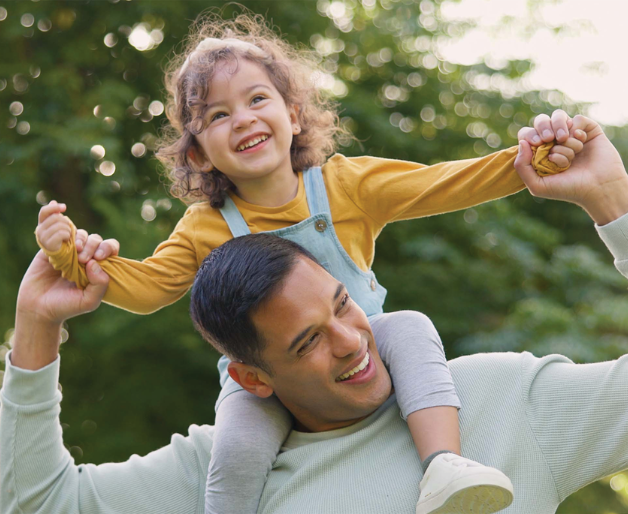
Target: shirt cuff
[[26, 387]]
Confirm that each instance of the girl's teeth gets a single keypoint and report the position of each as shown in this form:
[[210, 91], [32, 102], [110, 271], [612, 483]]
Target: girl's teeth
[[251, 143]]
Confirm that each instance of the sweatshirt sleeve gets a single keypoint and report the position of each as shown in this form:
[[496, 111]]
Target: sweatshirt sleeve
[[392, 190], [144, 286], [615, 237], [579, 416], [38, 475]]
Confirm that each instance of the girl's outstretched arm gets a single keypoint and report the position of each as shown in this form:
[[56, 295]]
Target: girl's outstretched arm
[[137, 286]]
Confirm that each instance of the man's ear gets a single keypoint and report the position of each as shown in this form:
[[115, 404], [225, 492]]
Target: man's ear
[[251, 378], [197, 156]]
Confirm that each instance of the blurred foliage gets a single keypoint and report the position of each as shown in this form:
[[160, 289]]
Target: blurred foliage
[[513, 275]]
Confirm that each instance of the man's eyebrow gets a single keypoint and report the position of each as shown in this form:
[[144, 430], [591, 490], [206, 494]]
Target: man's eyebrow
[[247, 90], [303, 333]]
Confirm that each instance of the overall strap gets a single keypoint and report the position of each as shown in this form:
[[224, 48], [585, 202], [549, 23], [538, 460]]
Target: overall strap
[[315, 191], [234, 219]]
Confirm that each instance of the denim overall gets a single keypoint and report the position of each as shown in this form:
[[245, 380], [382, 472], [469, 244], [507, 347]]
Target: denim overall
[[318, 236]]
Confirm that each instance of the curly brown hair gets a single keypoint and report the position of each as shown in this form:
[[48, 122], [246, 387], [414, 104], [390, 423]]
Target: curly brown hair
[[291, 70]]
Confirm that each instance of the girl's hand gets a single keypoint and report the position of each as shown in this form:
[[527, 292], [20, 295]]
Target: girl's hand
[[559, 128], [92, 246], [54, 228]]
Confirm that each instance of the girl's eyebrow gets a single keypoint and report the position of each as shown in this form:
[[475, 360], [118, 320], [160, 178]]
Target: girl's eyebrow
[[245, 91]]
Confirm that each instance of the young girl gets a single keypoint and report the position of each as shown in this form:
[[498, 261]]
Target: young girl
[[248, 133]]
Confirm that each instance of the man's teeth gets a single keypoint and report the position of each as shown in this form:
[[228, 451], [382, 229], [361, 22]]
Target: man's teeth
[[359, 367], [251, 143]]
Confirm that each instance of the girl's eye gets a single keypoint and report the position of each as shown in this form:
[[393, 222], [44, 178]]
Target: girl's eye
[[258, 99], [218, 116], [309, 344]]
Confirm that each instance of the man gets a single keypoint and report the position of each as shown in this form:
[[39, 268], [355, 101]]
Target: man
[[550, 425]]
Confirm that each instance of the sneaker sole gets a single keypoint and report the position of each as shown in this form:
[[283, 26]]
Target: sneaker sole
[[469, 498]]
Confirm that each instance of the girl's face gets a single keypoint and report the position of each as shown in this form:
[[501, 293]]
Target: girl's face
[[249, 128]]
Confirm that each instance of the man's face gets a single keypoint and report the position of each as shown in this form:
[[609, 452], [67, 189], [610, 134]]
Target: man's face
[[315, 335]]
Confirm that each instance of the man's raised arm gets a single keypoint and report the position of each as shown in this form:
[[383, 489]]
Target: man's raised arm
[[37, 473]]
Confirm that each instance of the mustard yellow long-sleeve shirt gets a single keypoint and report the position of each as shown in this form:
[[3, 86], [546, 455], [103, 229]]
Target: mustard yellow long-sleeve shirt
[[365, 194]]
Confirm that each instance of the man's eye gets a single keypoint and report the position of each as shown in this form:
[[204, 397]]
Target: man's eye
[[308, 345], [345, 300]]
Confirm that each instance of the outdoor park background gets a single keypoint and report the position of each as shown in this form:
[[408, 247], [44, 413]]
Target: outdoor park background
[[80, 107]]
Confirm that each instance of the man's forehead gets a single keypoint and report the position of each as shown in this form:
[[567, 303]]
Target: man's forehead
[[304, 295]]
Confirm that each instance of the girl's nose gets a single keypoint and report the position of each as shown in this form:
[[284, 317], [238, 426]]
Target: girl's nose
[[244, 120]]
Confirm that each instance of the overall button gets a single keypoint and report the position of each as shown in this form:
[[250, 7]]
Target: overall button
[[321, 225], [373, 284]]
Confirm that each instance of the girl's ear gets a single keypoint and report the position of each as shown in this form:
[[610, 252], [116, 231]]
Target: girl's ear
[[294, 119], [198, 158], [251, 378]]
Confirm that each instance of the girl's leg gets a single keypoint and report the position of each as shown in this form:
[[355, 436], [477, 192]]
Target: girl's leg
[[412, 350], [248, 434]]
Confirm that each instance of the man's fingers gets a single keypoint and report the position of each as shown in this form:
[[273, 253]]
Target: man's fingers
[[106, 249], [559, 125], [93, 240], [52, 208], [587, 126], [95, 290], [543, 125], [79, 239], [530, 135]]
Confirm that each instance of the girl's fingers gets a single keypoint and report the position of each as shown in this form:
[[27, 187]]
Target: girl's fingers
[[93, 240], [543, 126], [106, 249], [79, 239], [530, 135], [55, 236], [560, 160], [47, 230], [52, 208], [559, 125], [562, 151]]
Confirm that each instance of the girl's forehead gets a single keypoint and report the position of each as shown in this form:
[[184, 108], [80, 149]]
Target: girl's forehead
[[235, 76]]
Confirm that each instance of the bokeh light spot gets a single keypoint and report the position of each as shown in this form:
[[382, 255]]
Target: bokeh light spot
[[107, 168], [148, 213], [27, 20], [44, 25], [97, 152], [111, 40], [23, 128], [138, 150], [16, 108], [156, 108]]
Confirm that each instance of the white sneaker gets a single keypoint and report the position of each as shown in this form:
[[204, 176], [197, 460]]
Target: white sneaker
[[455, 485]]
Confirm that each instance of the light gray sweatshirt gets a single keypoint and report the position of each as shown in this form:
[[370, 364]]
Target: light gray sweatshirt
[[552, 426]]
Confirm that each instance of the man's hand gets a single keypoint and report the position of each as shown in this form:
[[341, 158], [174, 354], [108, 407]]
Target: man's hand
[[596, 180], [44, 302]]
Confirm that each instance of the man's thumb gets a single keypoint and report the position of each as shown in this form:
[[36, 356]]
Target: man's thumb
[[98, 283], [523, 164]]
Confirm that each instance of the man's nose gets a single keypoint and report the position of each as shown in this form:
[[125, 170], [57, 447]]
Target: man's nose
[[345, 340]]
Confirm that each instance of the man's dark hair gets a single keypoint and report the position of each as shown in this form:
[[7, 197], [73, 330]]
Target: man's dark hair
[[233, 281]]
